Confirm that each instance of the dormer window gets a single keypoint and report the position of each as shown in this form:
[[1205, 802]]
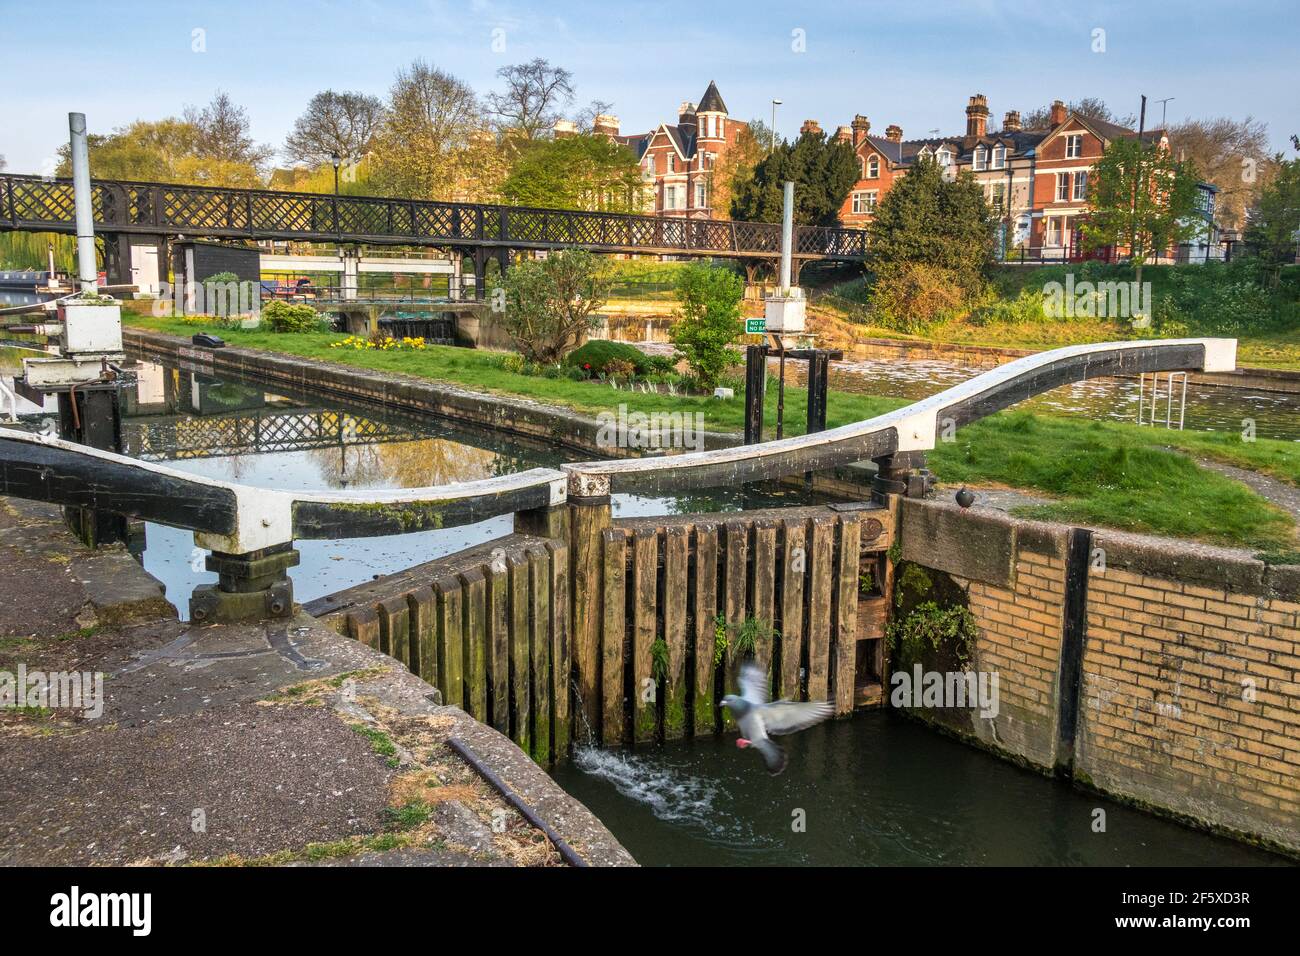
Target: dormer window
[[999, 157], [944, 157], [873, 166], [981, 158]]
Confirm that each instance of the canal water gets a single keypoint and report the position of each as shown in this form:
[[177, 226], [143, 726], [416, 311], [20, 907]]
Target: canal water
[[873, 790]]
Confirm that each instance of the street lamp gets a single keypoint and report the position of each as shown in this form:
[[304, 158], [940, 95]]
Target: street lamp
[[775, 104], [337, 160]]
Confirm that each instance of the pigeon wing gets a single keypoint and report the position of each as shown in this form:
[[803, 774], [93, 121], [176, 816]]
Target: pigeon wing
[[754, 684], [788, 717]]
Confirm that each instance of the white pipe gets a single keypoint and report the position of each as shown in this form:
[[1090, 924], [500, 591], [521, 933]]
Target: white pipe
[[787, 236], [87, 269]]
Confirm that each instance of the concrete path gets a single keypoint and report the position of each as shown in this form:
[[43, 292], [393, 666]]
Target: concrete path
[[237, 744]]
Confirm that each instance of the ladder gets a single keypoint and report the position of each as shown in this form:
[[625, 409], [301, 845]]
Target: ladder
[[1150, 399]]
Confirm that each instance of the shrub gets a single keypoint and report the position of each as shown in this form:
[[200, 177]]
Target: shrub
[[617, 368], [551, 303], [595, 356], [282, 316], [710, 321], [909, 296]]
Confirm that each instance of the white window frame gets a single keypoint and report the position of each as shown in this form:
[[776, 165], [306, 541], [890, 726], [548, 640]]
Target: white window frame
[[1063, 181], [998, 195], [1074, 146], [999, 157], [1080, 188], [873, 166], [944, 157], [981, 159], [701, 196], [865, 201]]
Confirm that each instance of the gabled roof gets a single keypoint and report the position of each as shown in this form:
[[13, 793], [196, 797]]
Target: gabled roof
[[711, 101]]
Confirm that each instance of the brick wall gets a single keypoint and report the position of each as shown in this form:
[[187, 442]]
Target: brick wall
[[1189, 694]]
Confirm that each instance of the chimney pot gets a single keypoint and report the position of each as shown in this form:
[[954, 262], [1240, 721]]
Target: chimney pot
[[606, 124], [894, 133], [977, 115], [1011, 122], [861, 127], [810, 126], [564, 128], [1059, 112]]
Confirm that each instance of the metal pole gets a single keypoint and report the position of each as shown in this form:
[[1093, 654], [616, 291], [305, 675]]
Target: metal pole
[[787, 236], [87, 270]]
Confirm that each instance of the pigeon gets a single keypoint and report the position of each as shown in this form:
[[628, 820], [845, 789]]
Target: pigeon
[[965, 498], [760, 719]]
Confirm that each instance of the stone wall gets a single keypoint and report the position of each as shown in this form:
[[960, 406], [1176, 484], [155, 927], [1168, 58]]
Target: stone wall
[[1188, 670]]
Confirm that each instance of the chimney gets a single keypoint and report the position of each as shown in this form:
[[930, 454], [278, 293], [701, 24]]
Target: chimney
[[861, 127], [843, 134], [1011, 122], [810, 126], [1058, 113], [894, 133], [564, 128], [686, 114], [977, 115], [605, 125]]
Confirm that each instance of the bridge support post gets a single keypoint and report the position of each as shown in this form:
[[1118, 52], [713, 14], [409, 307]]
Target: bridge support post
[[250, 587], [902, 473]]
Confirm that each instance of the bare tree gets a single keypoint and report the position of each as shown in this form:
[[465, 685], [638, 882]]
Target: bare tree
[[534, 97], [585, 118], [1090, 107], [1232, 154], [221, 132], [340, 124]]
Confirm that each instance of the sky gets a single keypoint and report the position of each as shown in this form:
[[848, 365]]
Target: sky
[[911, 63]]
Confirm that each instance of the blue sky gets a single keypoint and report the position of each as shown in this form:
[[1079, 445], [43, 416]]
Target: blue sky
[[912, 63]]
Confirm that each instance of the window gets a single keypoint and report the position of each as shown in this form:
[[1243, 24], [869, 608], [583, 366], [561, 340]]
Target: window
[[1073, 146], [981, 158], [700, 196], [999, 157], [945, 158], [1053, 231], [1081, 185], [864, 202], [997, 196], [672, 197], [873, 167], [672, 162], [1062, 187]]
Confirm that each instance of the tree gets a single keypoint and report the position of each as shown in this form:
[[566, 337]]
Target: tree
[[1274, 231], [710, 321], [576, 172], [433, 143], [341, 124], [822, 170], [166, 151], [551, 303], [221, 133], [930, 245], [1142, 198], [734, 170], [585, 118], [1231, 154], [534, 96], [1090, 107]]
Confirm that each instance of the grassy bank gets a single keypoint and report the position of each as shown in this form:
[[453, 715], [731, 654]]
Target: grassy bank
[[1103, 473], [1213, 300]]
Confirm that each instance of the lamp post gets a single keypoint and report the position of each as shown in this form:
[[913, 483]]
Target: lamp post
[[337, 160], [775, 104]]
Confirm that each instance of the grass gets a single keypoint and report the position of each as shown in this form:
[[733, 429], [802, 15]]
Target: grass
[[1103, 473]]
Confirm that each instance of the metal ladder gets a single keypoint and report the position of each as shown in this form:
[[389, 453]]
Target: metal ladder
[[1149, 400]]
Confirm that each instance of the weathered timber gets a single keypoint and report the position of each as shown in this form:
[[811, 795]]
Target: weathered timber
[[645, 690], [363, 626], [474, 638], [561, 658], [520, 621], [422, 606], [539, 652], [818, 636], [793, 570], [735, 587], [612, 724], [846, 613], [588, 521], [394, 629], [675, 593], [450, 653], [763, 587], [705, 611], [498, 642]]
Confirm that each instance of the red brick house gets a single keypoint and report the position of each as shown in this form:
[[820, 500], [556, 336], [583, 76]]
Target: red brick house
[[676, 158]]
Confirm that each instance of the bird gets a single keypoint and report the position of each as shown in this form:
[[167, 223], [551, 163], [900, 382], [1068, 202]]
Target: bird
[[760, 719], [965, 498]]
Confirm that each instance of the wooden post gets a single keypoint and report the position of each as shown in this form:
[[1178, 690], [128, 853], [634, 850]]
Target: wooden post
[[394, 630], [755, 377], [675, 589], [539, 649], [422, 607], [450, 657], [735, 587], [561, 658], [846, 613], [363, 626], [474, 640], [794, 567], [705, 716], [645, 690], [588, 518], [615, 627], [521, 718], [819, 607], [498, 642], [763, 588]]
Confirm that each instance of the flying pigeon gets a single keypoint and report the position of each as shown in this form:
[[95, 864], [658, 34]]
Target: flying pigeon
[[760, 719]]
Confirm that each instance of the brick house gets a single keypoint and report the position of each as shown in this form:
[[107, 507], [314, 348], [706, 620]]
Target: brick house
[[676, 159]]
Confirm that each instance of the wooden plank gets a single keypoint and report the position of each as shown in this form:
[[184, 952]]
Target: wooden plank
[[520, 616], [422, 607], [763, 588], [561, 659], [872, 614], [704, 715], [450, 653], [363, 626], [676, 565], [394, 628], [846, 613], [615, 585], [539, 649], [497, 584], [734, 588], [818, 638], [645, 689], [474, 639], [794, 571], [586, 561]]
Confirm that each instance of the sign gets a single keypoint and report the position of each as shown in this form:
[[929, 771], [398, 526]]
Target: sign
[[755, 326]]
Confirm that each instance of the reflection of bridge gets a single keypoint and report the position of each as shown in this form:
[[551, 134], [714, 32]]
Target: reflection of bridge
[[122, 209], [253, 433]]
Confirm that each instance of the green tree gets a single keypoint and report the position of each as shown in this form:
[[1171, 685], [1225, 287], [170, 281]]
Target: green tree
[[575, 172], [822, 170], [709, 321], [168, 150], [551, 303], [1141, 198], [930, 245], [1274, 230]]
